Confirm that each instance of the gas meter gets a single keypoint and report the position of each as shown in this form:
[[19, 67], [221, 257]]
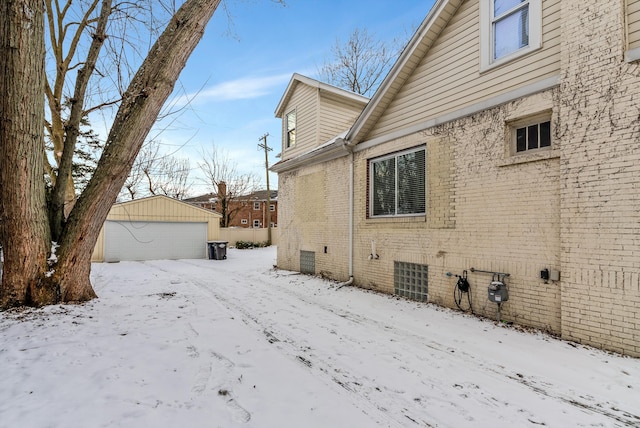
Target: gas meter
[[498, 292]]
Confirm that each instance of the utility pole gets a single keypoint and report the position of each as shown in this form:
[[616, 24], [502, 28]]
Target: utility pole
[[267, 149]]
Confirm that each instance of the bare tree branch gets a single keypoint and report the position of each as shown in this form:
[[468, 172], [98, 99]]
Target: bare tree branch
[[360, 64], [223, 178]]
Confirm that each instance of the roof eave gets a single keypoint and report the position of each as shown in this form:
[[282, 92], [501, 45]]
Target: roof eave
[[426, 27], [326, 153], [299, 78]]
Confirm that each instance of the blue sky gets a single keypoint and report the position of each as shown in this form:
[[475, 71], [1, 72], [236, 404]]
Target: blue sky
[[239, 71]]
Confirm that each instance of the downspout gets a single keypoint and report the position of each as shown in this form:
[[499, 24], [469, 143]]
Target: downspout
[[351, 202]]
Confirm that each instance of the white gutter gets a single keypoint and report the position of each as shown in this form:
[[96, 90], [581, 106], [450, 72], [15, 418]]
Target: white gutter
[[348, 147], [351, 200], [333, 149]]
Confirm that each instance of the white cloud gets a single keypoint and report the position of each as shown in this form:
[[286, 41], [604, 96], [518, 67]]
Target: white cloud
[[238, 89]]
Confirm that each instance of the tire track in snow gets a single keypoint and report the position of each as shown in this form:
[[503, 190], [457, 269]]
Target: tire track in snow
[[573, 398], [294, 349], [366, 389], [293, 341]]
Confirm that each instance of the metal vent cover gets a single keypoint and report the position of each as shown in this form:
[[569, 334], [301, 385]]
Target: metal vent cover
[[411, 280]]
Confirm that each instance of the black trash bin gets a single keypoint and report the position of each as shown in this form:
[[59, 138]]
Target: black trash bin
[[217, 250]]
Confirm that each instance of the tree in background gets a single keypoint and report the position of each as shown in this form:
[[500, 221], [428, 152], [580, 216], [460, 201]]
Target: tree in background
[[156, 174], [48, 244], [360, 64], [223, 178]]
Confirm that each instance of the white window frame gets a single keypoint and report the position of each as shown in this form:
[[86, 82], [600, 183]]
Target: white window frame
[[526, 122], [287, 131], [256, 224], [395, 156], [630, 55], [256, 206], [244, 221], [272, 207], [487, 34]]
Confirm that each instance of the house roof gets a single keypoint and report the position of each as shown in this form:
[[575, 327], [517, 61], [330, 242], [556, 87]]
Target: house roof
[[332, 149], [430, 29], [167, 199], [299, 78], [259, 195], [202, 198]]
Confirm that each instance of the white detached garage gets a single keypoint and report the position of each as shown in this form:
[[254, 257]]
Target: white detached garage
[[156, 228]]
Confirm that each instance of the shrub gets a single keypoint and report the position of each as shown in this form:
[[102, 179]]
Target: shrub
[[241, 245]]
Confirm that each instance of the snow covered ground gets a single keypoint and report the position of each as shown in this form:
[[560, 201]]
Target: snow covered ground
[[237, 343]]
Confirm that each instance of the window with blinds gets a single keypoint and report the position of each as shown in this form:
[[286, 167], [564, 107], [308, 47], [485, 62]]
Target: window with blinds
[[397, 184]]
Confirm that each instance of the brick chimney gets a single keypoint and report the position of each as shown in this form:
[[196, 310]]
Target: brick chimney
[[222, 190]]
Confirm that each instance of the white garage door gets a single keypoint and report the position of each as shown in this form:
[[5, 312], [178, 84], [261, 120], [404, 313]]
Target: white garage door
[[141, 240]]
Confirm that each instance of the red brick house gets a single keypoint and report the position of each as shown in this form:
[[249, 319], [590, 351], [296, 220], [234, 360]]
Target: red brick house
[[242, 211]]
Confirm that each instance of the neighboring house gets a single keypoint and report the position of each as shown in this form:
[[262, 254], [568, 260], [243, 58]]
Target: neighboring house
[[315, 169], [505, 139], [248, 211], [157, 227]]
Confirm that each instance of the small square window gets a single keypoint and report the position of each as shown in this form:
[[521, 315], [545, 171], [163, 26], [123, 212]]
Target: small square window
[[244, 221], [531, 134]]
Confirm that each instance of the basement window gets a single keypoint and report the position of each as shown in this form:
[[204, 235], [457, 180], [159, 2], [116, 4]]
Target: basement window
[[308, 262], [411, 280]]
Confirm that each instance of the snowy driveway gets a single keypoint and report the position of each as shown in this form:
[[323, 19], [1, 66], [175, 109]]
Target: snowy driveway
[[206, 343]]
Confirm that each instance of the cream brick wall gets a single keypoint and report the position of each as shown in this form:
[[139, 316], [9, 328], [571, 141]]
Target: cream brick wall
[[313, 214], [600, 170], [484, 210]]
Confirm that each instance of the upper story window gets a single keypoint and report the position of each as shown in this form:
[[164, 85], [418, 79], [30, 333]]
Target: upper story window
[[272, 207], [632, 18], [290, 124], [397, 184], [256, 205], [508, 29]]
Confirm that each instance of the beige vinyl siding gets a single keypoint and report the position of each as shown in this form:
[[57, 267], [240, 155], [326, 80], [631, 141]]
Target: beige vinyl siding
[[336, 116], [305, 101], [448, 77], [633, 23]]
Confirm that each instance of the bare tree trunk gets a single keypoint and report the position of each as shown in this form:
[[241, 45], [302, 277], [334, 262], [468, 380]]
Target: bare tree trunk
[[25, 232], [24, 229], [63, 195], [140, 107]]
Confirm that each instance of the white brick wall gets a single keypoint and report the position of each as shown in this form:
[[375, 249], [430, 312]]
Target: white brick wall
[[313, 214], [600, 174]]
